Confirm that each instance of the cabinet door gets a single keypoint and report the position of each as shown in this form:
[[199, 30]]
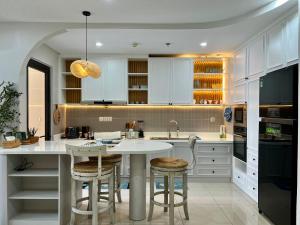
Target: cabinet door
[[240, 93], [92, 89], [115, 80], [240, 65], [253, 115], [182, 81], [292, 38], [256, 59], [275, 50], [159, 80]]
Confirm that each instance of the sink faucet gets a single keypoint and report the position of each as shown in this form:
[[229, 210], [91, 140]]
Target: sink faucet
[[177, 128]]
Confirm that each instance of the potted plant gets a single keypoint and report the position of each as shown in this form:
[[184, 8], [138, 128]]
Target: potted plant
[[9, 108], [31, 135]]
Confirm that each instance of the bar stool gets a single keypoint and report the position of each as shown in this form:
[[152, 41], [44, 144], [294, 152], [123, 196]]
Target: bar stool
[[115, 160], [170, 168], [92, 172]]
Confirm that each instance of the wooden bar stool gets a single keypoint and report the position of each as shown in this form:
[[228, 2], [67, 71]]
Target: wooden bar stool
[[92, 172], [168, 168], [115, 160]]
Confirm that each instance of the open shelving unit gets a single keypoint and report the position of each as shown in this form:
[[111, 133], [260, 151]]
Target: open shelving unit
[[37, 195], [138, 81], [208, 81], [72, 85]]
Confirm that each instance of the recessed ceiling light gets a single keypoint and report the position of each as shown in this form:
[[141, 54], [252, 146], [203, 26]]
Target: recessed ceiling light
[[203, 44], [99, 44]]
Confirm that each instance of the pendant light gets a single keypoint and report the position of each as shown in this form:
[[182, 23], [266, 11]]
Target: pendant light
[[85, 68]]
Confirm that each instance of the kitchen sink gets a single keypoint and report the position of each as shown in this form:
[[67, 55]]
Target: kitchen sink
[[167, 138]]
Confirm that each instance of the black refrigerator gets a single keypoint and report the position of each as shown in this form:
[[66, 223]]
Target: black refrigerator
[[278, 134]]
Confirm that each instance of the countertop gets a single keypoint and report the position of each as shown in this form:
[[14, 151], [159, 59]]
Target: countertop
[[58, 146]]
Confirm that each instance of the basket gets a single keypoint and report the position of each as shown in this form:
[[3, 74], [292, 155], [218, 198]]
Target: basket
[[11, 144], [30, 140]]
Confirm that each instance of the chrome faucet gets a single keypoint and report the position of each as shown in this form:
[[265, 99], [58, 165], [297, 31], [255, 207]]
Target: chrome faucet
[[177, 128]]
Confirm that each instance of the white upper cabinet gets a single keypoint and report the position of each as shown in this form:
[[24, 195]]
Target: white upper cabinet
[[159, 80], [91, 88], [275, 47], [182, 81], [170, 81], [111, 85], [292, 38], [240, 60], [253, 115], [115, 82], [256, 56], [240, 93]]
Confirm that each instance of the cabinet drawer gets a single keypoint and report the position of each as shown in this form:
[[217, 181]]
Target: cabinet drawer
[[217, 172], [252, 158], [212, 149], [213, 160], [252, 173], [239, 179], [252, 189]]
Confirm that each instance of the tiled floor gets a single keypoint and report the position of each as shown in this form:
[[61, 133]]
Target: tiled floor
[[209, 204]]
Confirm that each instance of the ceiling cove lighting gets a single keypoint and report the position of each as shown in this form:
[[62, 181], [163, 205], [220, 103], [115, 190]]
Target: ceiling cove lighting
[[203, 44], [85, 68], [99, 44]]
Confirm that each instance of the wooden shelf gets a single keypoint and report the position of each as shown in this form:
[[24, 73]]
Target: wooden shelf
[[137, 74], [35, 218], [137, 89], [209, 74], [35, 173], [35, 194], [71, 89], [208, 89]]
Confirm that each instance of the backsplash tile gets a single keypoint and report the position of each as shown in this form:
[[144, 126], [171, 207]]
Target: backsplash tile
[[155, 119]]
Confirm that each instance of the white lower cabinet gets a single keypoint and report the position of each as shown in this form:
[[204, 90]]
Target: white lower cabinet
[[213, 160], [240, 179]]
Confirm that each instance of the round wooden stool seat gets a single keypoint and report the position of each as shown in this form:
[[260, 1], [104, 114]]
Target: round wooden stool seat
[[169, 163], [92, 167]]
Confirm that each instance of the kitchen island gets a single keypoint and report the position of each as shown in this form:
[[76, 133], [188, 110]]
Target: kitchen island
[[41, 195]]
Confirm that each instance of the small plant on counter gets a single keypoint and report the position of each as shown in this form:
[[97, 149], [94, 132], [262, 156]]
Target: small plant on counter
[[9, 110], [32, 132]]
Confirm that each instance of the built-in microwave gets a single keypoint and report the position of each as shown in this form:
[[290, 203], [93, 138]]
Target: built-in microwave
[[240, 132], [240, 115]]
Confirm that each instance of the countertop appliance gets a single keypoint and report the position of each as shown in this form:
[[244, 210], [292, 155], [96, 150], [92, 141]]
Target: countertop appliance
[[277, 179], [72, 132], [240, 132]]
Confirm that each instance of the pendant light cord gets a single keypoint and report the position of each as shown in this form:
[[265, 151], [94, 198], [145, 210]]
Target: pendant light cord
[[86, 38]]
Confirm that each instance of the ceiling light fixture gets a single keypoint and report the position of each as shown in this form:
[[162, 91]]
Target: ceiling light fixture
[[99, 44], [85, 68], [203, 44]]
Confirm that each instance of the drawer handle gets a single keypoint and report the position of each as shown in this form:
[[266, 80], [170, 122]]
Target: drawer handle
[[253, 174], [213, 171], [254, 189], [239, 177], [213, 160], [213, 149], [253, 159]]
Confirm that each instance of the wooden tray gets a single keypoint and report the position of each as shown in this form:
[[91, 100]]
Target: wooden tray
[[11, 144], [30, 141]]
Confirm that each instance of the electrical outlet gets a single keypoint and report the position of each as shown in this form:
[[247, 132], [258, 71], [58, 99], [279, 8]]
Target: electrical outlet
[[105, 119], [101, 119]]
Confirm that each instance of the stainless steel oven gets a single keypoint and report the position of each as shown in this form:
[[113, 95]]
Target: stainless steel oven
[[240, 132]]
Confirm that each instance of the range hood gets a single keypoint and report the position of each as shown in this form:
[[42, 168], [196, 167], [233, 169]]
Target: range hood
[[104, 102]]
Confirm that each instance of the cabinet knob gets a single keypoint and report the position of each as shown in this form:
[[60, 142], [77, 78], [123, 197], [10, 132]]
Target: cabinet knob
[[254, 189], [253, 174], [239, 177], [213, 149], [213, 171], [213, 160], [253, 159]]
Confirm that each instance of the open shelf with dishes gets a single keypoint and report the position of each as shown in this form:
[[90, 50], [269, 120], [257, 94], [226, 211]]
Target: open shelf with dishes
[[208, 81], [137, 81], [71, 87]]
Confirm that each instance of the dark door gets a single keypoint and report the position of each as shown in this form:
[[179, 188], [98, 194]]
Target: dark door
[[38, 98]]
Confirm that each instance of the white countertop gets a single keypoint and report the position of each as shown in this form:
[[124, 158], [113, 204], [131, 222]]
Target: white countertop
[[128, 146]]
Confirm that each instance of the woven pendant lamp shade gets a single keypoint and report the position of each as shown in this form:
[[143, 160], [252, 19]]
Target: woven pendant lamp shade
[[82, 69]]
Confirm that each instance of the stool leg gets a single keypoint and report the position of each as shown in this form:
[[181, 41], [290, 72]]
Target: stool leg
[[111, 195], [185, 188], [151, 195], [89, 208], [166, 192], [73, 201], [95, 202], [114, 188], [171, 213], [118, 171]]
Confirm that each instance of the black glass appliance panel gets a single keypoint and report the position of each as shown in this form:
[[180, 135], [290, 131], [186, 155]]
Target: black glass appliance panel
[[240, 143]]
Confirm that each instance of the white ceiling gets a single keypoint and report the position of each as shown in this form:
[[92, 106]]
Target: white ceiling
[[127, 11], [152, 41]]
